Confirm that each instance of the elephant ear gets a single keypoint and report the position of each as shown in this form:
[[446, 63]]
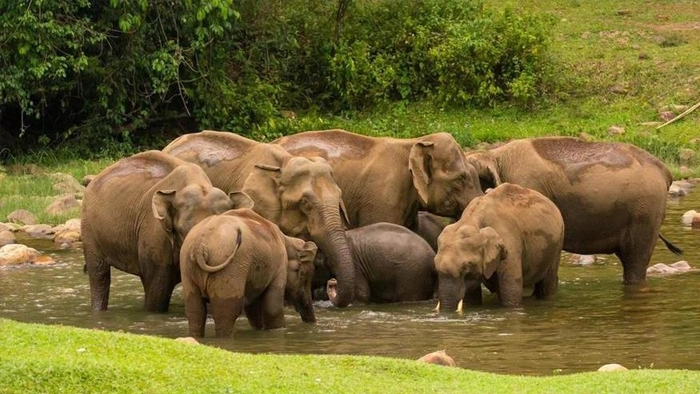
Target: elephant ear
[[493, 249], [240, 200], [486, 166], [262, 186], [344, 213], [162, 203], [420, 163], [308, 252]]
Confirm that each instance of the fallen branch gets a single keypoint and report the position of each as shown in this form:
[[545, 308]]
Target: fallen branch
[[689, 110]]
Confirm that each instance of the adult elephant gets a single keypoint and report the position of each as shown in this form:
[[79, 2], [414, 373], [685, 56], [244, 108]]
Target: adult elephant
[[296, 193], [135, 216], [611, 195], [390, 180]]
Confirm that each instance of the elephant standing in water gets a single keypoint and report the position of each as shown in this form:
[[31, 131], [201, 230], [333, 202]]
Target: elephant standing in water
[[390, 180], [298, 194], [239, 261], [612, 195], [510, 238], [135, 216], [392, 264]]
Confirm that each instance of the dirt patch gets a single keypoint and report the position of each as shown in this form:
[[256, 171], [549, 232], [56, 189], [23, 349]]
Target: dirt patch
[[679, 26]]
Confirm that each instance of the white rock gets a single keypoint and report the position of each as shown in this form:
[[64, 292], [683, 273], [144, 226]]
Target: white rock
[[15, 254], [583, 259], [687, 218], [612, 367], [189, 340]]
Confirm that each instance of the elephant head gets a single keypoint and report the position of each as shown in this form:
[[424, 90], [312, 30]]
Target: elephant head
[[300, 271], [465, 253], [445, 182], [304, 200], [486, 166], [179, 210]]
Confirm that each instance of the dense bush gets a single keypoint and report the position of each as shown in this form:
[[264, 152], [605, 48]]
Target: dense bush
[[118, 73]]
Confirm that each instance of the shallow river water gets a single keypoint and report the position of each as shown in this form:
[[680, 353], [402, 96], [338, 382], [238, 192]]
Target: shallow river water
[[591, 321]]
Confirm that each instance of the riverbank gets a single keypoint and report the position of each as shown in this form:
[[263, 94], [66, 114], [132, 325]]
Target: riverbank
[[56, 359]]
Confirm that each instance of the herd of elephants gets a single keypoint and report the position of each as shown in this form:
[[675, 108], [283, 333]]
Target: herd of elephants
[[248, 227]]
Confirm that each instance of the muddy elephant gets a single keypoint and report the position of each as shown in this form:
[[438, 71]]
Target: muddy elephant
[[509, 239], [135, 215], [392, 264], [390, 180], [612, 195], [241, 262], [298, 194]]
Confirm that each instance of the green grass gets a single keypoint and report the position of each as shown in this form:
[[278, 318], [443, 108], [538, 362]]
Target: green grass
[[54, 359]]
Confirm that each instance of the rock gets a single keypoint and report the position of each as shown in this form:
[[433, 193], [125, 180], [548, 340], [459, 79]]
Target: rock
[[688, 216], [618, 89], [439, 358], [686, 156], [611, 368], [666, 115], [87, 179], [678, 267], [16, 254], [189, 340], [43, 260], [676, 191], [7, 237], [39, 231], [62, 204], [616, 130], [583, 259], [643, 55], [21, 216], [69, 225], [695, 223], [66, 237], [66, 183], [583, 136], [5, 227]]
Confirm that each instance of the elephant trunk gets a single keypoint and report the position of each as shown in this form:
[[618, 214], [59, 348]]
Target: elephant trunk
[[334, 245], [304, 306], [449, 290]]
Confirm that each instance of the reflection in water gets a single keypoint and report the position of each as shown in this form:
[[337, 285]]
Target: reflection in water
[[593, 320]]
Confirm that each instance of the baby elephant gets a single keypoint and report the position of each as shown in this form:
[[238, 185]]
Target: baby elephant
[[392, 264], [239, 261], [509, 239]]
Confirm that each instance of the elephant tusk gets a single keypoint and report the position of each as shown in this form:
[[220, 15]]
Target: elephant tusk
[[460, 306], [437, 307]]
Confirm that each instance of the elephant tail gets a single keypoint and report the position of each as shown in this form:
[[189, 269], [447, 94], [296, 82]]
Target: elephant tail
[[673, 248], [201, 258]]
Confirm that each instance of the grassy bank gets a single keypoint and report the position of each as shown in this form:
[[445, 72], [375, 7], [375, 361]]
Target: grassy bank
[[36, 358]]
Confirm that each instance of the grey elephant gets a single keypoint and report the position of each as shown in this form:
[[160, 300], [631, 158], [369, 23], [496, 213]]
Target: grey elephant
[[390, 180], [241, 262], [392, 264], [430, 226], [135, 215], [296, 193], [612, 195], [509, 239]]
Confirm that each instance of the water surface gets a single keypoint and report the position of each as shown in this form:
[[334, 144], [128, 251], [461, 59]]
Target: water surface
[[591, 321]]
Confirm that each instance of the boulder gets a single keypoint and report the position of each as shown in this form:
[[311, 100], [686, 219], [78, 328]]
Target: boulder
[[87, 179], [5, 227], [66, 183], [17, 254], [616, 130], [439, 358], [612, 368], [678, 267], [62, 204], [43, 231], [70, 224], [676, 191], [583, 259], [7, 237], [21, 216], [66, 237], [689, 217]]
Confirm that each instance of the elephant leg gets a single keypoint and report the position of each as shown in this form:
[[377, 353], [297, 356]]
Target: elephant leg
[[253, 312], [273, 308], [100, 279], [196, 312], [362, 291], [548, 285], [510, 286], [158, 285], [225, 311], [635, 253], [472, 294]]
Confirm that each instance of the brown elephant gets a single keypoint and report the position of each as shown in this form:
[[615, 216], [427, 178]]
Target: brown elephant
[[296, 193], [135, 216], [390, 180], [392, 264], [509, 239], [612, 195], [239, 261]]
